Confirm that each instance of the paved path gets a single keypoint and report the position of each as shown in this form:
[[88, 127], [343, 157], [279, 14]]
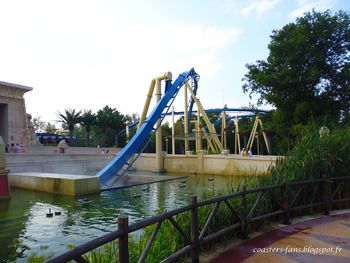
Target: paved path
[[324, 239]]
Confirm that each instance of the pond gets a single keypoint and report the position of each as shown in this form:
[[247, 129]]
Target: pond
[[26, 229]]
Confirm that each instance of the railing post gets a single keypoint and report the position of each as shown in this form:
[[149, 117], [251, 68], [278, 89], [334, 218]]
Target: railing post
[[194, 230], [326, 193], [123, 241], [285, 203], [244, 233]]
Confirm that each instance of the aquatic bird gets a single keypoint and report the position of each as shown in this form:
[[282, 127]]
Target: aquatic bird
[[210, 179], [182, 185], [146, 188], [83, 202], [135, 195], [49, 214]]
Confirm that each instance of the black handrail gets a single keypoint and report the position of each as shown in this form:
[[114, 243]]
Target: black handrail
[[197, 238]]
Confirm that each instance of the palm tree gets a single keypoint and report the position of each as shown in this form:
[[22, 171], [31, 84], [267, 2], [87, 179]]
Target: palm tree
[[69, 118], [87, 120]]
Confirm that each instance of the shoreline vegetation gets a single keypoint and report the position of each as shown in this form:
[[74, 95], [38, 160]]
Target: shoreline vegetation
[[311, 157]]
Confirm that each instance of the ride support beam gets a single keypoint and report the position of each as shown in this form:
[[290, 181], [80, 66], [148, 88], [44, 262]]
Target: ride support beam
[[265, 138], [207, 137], [198, 132], [165, 76], [187, 145], [211, 129], [147, 102], [173, 130], [252, 133], [237, 139], [223, 130], [159, 154]]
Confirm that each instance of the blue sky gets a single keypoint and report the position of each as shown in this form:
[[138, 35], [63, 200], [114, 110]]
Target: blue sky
[[88, 54]]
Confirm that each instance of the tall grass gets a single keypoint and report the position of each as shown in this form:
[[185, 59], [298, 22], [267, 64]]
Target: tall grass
[[314, 155]]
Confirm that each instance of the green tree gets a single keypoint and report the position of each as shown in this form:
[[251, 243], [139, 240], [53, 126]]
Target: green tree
[[70, 118], [116, 125], [307, 73], [38, 124], [50, 128], [110, 121], [87, 120]]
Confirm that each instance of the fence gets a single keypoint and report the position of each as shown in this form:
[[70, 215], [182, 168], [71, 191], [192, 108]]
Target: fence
[[241, 208]]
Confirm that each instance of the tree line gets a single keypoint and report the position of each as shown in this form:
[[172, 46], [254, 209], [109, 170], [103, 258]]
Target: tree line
[[102, 128]]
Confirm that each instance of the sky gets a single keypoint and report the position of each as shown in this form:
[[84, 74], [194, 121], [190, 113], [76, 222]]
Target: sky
[[82, 54]]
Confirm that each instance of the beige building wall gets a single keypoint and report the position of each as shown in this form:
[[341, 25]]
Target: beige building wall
[[13, 116]]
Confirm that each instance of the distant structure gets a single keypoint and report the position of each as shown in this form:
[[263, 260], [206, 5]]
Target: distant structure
[[14, 121]]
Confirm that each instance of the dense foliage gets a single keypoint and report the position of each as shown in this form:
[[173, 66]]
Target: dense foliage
[[109, 120], [314, 155], [306, 76], [87, 120]]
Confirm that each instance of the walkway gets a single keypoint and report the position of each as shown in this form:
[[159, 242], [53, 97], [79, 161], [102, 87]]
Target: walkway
[[324, 239]]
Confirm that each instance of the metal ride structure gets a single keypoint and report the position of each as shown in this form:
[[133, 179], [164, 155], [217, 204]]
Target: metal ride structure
[[148, 126], [227, 115], [247, 113], [253, 134], [119, 165], [238, 113]]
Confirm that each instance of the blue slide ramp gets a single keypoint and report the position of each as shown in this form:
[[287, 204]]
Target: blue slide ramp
[[122, 162]]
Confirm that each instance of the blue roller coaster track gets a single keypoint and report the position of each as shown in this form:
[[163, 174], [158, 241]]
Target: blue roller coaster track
[[119, 165]]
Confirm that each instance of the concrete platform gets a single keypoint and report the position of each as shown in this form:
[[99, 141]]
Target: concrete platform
[[323, 239], [64, 184]]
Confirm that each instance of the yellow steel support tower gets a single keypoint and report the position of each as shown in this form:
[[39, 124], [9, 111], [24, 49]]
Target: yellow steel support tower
[[173, 131], [212, 132], [223, 130], [237, 139], [187, 144], [156, 82], [254, 133]]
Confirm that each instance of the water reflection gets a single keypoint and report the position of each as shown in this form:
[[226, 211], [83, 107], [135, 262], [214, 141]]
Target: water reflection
[[26, 229]]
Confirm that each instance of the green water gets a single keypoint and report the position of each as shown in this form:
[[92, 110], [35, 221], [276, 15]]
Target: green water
[[25, 228]]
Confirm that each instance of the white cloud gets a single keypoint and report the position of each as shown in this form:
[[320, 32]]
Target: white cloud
[[307, 5], [259, 7], [85, 55]]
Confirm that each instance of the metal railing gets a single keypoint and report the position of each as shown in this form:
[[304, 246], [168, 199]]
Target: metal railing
[[283, 199]]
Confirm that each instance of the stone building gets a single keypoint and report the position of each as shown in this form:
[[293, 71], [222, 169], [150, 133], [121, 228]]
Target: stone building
[[14, 121]]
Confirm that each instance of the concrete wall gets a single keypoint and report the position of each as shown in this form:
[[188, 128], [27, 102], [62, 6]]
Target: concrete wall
[[56, 183], [209, 164], [74, 162], [46, 159], [49, 150], [56, 163]]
